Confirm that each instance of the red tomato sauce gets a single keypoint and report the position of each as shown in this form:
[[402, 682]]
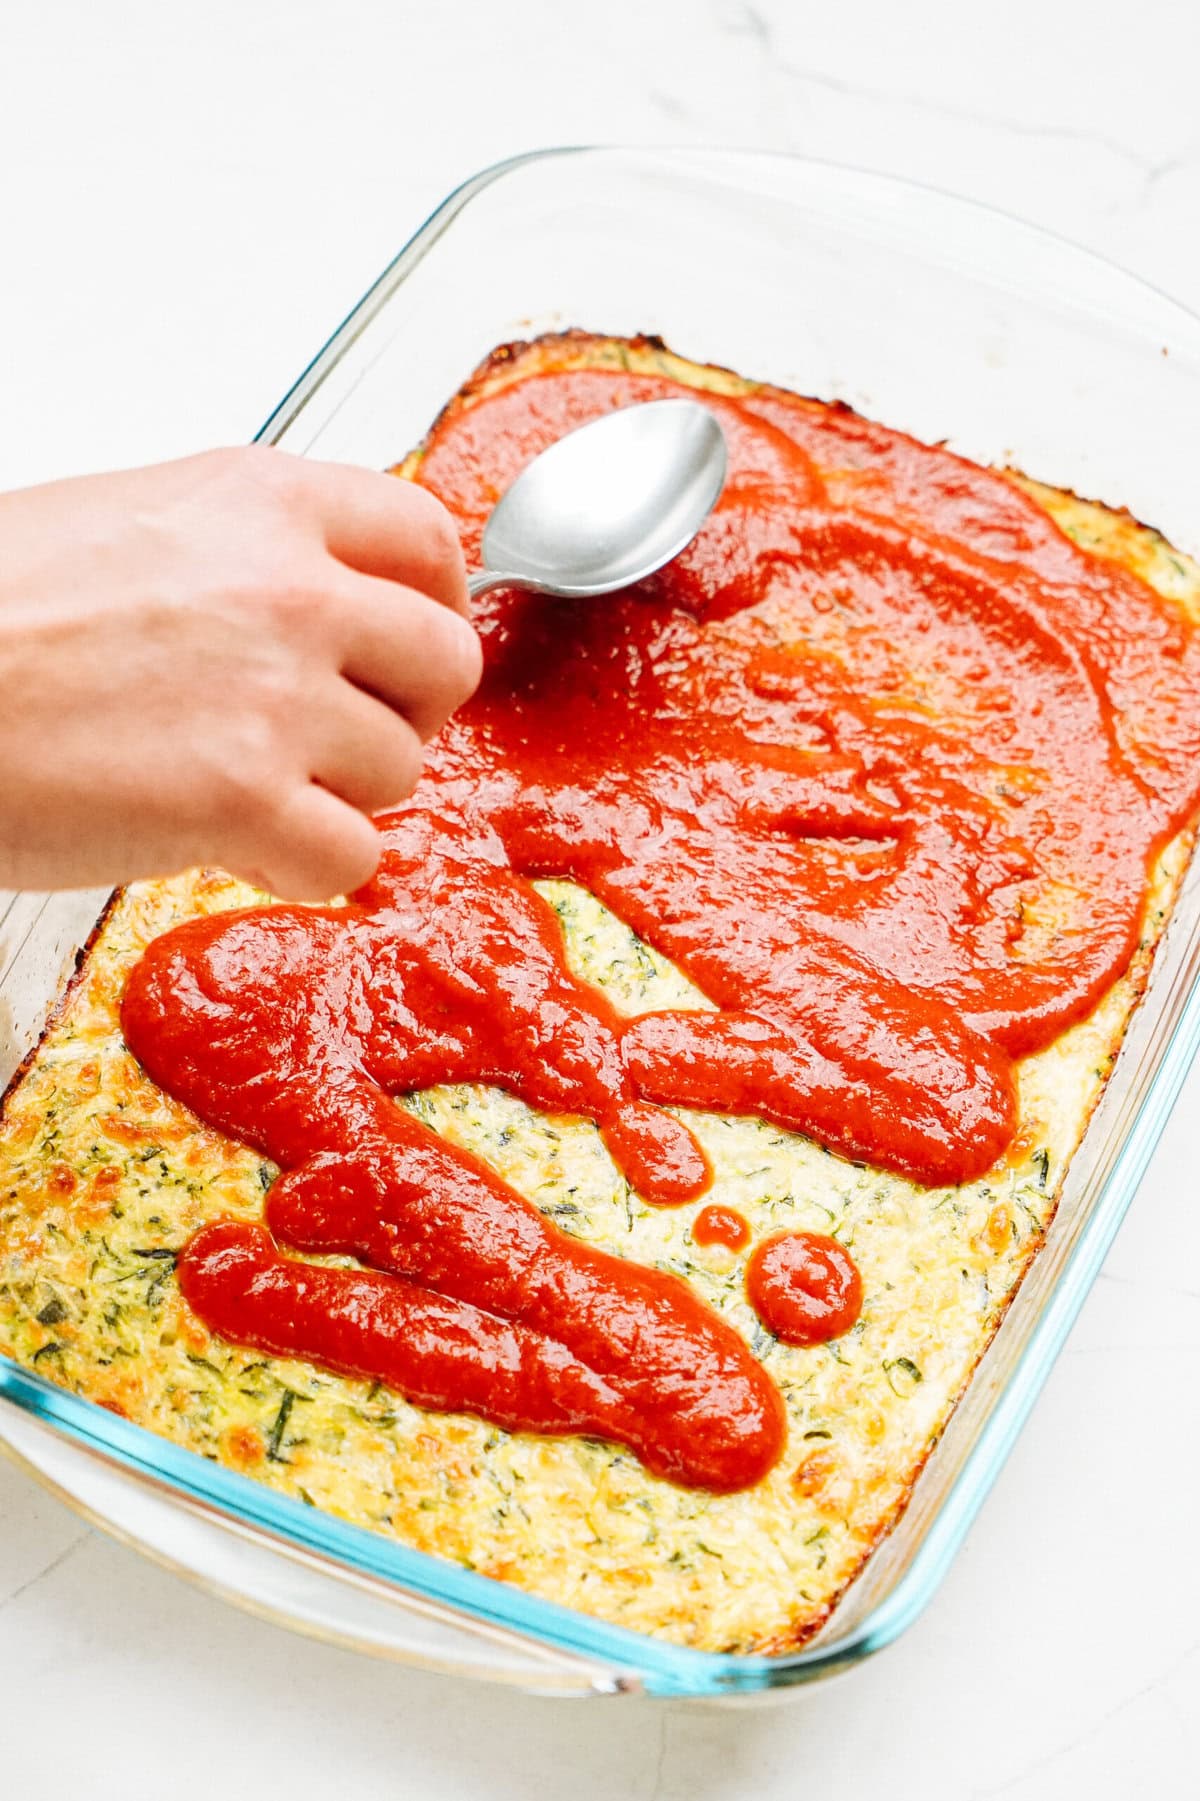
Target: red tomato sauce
[[880, 762], [721, 1225], [804, 1287]]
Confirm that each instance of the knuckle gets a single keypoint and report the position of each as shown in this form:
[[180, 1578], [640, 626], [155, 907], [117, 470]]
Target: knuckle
[[434, 529], [294, 609], [269, 468], [423, 505], [265, 698], [242, 779], [439, 528], [257, 475], [300, 601], [240, 462], [224, 460]]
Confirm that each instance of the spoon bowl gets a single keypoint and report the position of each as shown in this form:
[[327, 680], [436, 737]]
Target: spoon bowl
[[607, 503]]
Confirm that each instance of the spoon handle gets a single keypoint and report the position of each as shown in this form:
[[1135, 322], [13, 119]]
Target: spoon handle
[[484, 579]]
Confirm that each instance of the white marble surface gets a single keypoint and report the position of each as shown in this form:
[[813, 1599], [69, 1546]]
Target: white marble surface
[[189, 198]]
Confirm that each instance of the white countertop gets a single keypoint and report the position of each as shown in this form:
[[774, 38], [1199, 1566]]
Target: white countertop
[[187, 210]]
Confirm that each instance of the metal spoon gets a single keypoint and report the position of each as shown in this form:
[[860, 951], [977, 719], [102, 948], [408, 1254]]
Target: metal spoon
[[608, 503]]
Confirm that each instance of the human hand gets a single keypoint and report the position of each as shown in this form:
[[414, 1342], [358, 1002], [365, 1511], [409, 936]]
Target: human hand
[[231, 659]]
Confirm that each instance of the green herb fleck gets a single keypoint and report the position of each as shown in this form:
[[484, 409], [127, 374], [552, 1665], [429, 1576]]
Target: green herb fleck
[[902, 1374], [280, 1427]]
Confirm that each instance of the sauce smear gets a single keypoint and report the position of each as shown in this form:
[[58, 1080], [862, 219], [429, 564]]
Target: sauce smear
[[880, 762]]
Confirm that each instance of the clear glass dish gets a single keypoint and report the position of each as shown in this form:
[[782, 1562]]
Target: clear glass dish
[[930, 314]]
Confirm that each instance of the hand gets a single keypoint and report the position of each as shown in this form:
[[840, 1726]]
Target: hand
[[230, 659]]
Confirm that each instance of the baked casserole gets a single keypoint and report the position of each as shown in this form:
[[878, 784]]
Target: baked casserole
[[804, 895]]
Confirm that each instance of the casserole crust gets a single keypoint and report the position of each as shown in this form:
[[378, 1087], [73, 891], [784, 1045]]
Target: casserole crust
[[103, 1178]]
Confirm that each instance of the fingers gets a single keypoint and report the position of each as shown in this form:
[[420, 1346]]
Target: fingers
[[363, 751], [361, 756], [380, 642], [417, 657], [385, 526], [315, 847]]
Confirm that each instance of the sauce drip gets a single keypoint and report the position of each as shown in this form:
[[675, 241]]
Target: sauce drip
[[804, 1287], [715, 1224], [880, 762]]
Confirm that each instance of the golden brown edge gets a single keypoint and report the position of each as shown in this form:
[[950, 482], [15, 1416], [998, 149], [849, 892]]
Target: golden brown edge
[[648, 354], [60, 1004]]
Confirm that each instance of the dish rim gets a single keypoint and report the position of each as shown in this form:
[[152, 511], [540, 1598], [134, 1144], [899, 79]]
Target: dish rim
[[639, 1660]]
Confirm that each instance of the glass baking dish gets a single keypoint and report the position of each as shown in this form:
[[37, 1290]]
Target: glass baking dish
[[930, 314]]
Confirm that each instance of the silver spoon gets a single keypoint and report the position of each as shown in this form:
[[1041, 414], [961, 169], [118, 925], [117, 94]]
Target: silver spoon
[[608, 503]]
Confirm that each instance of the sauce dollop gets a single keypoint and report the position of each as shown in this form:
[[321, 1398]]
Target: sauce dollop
[[804, 1287], [715, 1224], [880, 762]]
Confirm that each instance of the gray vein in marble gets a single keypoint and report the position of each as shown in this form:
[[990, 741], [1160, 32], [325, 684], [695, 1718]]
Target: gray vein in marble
[[1156, 173], [752, 24], [672, 107], [47, 1569], [1110, 1713], [1160, 1287]]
